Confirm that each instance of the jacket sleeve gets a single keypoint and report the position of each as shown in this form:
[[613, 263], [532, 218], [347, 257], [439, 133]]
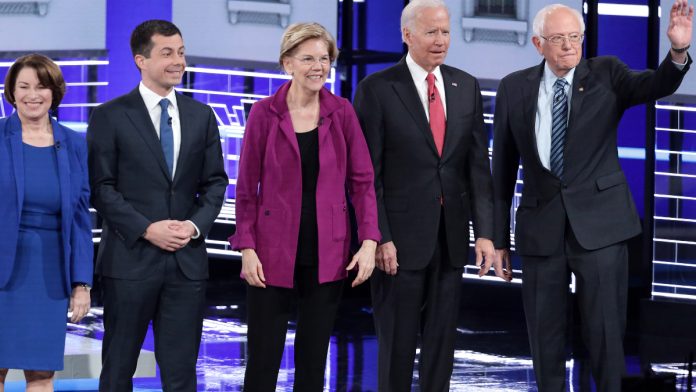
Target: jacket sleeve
[[360, 177], [479, 172], [505, 164], [81, 257], [213, 181], [369, 112], [125, 221], [248, 179], [637, 87]]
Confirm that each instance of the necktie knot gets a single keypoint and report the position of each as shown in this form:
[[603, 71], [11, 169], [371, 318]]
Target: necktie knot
[[560, 84], [431, 80], [164, 104]]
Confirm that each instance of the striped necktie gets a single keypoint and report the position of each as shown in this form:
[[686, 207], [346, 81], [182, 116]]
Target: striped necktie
[[559, 126]]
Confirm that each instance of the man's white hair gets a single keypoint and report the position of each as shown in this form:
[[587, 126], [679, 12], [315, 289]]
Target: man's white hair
[[540, 18], [409, 13]]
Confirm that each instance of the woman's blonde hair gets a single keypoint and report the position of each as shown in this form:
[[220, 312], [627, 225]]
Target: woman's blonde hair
[[298, 33]]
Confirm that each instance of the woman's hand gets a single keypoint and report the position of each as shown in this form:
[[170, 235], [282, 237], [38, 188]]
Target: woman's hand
[[365, 260], [252, 270], [79, 303]]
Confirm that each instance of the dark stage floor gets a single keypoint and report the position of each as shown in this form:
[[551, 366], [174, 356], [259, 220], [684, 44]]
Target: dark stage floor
[[492, 352]]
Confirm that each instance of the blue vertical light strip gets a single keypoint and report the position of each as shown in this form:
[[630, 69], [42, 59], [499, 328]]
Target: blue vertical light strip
[[121, 19]]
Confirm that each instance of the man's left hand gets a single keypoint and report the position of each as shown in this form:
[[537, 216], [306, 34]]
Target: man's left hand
[[486, 257]]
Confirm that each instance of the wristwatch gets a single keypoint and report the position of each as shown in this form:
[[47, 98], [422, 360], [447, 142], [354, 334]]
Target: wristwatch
[[681, 50], [83, 285]]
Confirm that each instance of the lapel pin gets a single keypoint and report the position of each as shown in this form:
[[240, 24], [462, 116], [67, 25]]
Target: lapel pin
[[581, 89], [454, 84]]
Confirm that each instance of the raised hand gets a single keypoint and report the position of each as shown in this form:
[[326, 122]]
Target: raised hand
[[680, 23]]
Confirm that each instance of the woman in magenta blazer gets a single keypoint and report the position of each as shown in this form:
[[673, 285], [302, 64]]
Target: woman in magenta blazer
[[302, 149]]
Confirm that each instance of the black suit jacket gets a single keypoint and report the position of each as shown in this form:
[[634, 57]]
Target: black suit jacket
[[132, 187], [594, 196], [410, 176]]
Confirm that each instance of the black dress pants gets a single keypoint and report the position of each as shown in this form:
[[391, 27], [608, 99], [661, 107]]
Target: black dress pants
[[601, 289], [175, 306], [268, 313], [410, 303]]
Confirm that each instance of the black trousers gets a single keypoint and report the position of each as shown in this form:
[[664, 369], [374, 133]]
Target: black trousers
[[268, 313], [410, 303], [175, 306], [601, 289]]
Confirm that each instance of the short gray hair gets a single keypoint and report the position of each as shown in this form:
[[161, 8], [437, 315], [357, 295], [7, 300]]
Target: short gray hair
[[540, 18], [413, 7]]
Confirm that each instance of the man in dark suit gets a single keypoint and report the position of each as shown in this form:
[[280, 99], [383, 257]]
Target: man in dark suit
[[158, 181], [576, 211], [423, 123]]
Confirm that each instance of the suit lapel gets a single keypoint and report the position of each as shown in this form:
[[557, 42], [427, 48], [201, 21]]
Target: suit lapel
[[185, 117], [531, 99], [15, 134], [453, 94], [578, 94], [328, 103], [141, 121], [576, 100], [63, 173], [407, 93], [279, 106]]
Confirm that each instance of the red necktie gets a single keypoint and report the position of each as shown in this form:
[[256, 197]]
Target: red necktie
[[437, 113]]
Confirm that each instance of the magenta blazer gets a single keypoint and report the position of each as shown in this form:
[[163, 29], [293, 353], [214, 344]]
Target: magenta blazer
[[269, 187]]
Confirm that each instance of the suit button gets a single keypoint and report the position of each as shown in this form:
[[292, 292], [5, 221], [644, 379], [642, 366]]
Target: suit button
[[267, 212]]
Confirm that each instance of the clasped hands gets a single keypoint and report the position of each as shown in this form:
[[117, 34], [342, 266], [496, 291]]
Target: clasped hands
[[170, 235]]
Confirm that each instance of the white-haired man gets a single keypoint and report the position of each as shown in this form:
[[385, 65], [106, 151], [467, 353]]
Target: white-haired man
[[576, 213], [423, 123]]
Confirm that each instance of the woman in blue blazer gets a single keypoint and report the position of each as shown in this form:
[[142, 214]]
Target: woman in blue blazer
[[45, 235]]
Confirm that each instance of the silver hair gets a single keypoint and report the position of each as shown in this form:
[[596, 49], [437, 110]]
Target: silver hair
[[540, 18], [409, 13]]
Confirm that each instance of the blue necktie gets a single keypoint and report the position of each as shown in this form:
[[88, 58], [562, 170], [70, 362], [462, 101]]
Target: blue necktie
[[167, 135], [559, 126]]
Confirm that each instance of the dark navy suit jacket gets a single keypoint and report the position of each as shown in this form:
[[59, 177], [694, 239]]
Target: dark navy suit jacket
[[76, 227]]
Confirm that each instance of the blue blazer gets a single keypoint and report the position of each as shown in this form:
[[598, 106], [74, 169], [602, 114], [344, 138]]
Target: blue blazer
[[74, 194]]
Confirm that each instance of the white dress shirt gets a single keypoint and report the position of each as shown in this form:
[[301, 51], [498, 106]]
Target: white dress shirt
[[152, 103], [544, 117], [419, 74]]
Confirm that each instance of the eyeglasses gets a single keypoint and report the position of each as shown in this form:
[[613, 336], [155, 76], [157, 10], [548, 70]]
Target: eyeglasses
[[558, 39], [310, 60]]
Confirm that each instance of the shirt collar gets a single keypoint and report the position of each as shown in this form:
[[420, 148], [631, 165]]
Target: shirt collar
[[153, 99], [418, 73], [549, 77]]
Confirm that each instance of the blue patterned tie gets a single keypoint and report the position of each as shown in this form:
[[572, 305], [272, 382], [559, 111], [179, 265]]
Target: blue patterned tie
[[559, 125], [167, 135]]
